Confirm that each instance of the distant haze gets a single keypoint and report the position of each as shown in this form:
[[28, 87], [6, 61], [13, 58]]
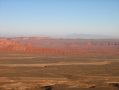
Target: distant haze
[[69, 18]]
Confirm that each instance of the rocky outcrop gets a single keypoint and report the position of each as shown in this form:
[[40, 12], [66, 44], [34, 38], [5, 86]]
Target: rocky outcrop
[[48, 46], [9, 45]]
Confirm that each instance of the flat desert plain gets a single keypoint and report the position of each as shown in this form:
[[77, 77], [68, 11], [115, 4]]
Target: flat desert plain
[[35, 72]]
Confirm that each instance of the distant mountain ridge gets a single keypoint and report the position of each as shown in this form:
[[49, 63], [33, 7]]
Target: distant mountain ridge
[[68, 36], [90, 36]]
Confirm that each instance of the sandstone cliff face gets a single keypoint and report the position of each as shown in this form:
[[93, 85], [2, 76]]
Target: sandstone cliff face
[[47, 46], [9, 45], [65, 43]]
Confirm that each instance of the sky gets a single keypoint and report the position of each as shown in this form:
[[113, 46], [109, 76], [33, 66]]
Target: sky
[[59, 17]]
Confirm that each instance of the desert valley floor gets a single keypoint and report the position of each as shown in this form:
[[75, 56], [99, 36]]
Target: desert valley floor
[[35, 72]]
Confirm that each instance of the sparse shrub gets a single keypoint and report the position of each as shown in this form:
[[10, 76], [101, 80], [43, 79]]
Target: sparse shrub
[[115, 84], [47, 87]]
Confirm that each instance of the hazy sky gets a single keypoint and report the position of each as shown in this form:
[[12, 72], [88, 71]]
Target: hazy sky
[[55, 17]]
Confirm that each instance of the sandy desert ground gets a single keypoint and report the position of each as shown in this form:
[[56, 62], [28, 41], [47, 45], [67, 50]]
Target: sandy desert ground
[[35, 72]]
